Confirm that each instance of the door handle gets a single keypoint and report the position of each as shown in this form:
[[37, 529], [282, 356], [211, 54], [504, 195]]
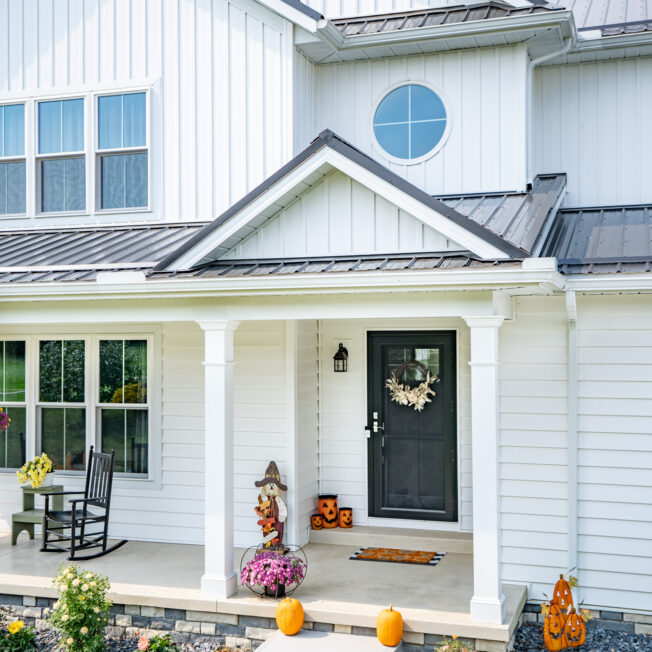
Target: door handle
[[377, 427]]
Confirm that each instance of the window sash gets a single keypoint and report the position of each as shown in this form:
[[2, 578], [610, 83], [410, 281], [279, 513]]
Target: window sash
[[16, 409]]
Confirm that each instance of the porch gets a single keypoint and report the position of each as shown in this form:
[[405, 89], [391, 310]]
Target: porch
[[337, 591]]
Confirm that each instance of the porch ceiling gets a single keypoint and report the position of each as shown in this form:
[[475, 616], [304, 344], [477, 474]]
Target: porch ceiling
[[337, 590]]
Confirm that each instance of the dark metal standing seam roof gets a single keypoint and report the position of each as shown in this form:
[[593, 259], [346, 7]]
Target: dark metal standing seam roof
[[138, 245], [375, 24], [325, 264], [517, 217], [602, 239]]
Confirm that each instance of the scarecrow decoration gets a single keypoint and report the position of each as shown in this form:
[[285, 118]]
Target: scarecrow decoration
[[271, 508]]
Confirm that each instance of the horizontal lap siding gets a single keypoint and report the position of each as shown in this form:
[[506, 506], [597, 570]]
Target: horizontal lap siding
[[175, 510], [591, 121], [260, 418], [533, 441], [615, 451], [343, 443]]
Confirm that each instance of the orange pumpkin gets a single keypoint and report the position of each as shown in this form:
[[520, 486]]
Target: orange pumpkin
[[553, 629], [562, 595], [574, 630], [317, 521], [289, 616], [389, 627]]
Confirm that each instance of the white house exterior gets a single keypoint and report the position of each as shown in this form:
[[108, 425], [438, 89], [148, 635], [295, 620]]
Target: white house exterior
[[206, 193]]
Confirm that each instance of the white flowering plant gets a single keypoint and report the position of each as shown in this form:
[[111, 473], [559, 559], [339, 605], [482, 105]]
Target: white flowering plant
[[82, 610]]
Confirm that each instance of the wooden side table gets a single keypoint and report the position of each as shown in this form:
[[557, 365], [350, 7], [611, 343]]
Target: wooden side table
[[30, 516]]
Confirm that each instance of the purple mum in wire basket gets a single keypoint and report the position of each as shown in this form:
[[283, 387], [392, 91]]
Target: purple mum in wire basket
[[4, 420], [273, 571]]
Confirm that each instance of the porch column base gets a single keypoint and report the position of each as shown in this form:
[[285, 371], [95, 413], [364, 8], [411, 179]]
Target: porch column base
[[488, 610], [218, 586]]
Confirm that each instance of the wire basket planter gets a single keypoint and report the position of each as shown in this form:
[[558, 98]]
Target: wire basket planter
[[273, 572]]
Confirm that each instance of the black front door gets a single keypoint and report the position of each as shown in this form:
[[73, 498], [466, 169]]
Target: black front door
[[412, 453]]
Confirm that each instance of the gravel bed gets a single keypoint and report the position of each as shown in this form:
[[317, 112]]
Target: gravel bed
[[46, 640], [530, 637]]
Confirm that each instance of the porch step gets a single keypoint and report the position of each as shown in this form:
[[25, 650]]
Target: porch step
[[361, 536], [311, 641]]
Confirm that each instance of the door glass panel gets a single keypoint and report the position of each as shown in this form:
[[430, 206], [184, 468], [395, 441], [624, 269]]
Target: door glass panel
[[414, 452]]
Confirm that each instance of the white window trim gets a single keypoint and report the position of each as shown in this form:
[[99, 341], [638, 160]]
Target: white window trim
[[18, 404], [33, 336], [18, 159], [32, 156], [98, 153], [442, 141]]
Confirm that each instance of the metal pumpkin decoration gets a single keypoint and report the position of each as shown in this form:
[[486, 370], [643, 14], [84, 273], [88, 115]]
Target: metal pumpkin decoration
[[574, 630], [553, 629], [346, 517], [327, 507], [562, 595], [317, 521]]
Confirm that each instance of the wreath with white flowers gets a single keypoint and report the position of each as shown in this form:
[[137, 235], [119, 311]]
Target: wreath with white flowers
[[403, 394]]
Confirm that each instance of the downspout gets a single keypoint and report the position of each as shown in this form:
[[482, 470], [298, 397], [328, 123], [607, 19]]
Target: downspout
[[530, 102], [572, 446]]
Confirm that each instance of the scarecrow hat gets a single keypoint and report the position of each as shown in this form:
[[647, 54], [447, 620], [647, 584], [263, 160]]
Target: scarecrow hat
[[272, 476]]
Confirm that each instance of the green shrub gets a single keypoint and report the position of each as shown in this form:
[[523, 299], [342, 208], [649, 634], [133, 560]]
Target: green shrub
[[82, 610], [18, 638], [5, 615]]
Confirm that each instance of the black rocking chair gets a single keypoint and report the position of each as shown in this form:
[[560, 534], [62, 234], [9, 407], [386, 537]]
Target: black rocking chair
[[97, 494]]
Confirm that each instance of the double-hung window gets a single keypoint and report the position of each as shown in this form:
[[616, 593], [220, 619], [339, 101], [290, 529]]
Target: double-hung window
[[123, 403], [122, 151], [62, 402], [13, 440], [61, 166], [12, 159]]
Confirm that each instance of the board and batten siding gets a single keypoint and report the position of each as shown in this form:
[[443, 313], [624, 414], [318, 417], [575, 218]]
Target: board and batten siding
[[220, 73], [591, 120], [484, 91], [615, 451], [340, 216], [343, 414], [533, 444]]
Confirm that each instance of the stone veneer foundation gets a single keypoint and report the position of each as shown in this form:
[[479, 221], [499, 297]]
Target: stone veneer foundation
[[250, 631]]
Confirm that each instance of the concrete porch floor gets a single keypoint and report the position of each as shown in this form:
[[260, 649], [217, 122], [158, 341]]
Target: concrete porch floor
[[432, 600]]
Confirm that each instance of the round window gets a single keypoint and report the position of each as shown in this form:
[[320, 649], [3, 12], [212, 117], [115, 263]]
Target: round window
[[410, 121]]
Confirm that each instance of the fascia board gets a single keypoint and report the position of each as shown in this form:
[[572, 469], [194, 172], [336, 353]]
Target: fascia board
[[416, 208], [293, 15], [261, 203], [345, 282], [610, 282], [610, 42], [562, 20]]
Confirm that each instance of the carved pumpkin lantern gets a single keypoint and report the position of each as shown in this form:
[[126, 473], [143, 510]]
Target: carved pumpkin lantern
[[553, 629], [317, 521], [327, 507], [289, 616], [346, 517], [562, 595], [574, 630], [389, 627]]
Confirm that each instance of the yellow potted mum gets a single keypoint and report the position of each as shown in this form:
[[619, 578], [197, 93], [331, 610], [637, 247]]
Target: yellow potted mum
[[39, 472]]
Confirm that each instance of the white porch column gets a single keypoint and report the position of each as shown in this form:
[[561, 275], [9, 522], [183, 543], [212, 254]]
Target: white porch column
[[487, 603], [219, 578]]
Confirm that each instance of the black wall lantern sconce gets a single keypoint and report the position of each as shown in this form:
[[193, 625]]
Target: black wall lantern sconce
[[341, 359]]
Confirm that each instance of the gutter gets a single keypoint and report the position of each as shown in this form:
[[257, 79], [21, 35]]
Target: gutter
[[572, 444], [530, 101], [544, 276], [550, 20]]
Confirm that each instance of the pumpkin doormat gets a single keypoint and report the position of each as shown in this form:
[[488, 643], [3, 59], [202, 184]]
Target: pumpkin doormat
[[398, 556]]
